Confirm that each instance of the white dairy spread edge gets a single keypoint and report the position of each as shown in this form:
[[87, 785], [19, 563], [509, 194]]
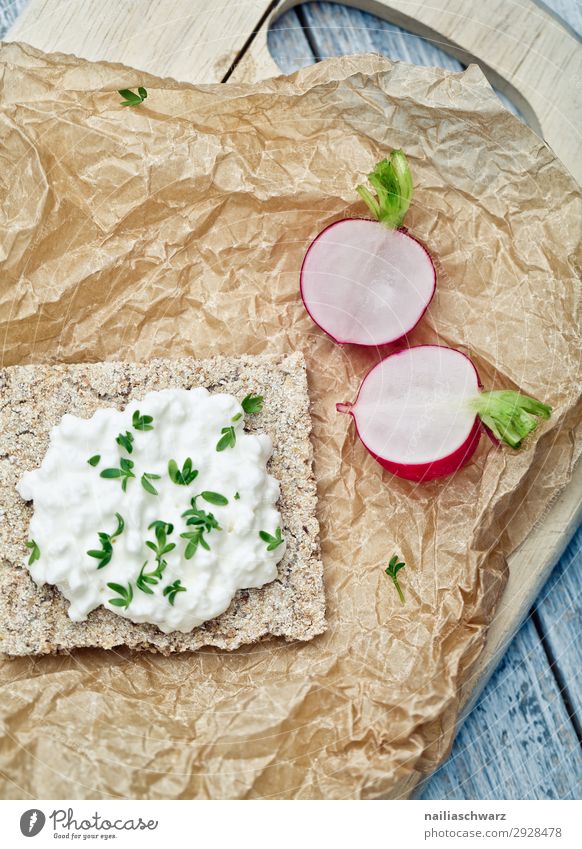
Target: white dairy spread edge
[[155, 542]]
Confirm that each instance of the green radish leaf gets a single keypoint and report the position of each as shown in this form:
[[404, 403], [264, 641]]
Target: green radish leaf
[[509, 415], [392, 180]]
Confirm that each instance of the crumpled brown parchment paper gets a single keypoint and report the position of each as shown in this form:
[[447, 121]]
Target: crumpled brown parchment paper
[[178, 228]]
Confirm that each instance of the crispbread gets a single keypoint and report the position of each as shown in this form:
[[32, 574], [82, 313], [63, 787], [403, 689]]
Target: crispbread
[[34, 398]]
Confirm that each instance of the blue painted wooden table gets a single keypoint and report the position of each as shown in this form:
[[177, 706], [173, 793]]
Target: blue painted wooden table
[[523, 738]]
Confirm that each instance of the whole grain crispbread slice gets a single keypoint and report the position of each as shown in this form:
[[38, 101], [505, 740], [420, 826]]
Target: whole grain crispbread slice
[[34, 620]]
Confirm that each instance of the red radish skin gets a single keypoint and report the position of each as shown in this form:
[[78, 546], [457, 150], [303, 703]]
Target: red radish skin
[[390, 316], [440, 466], [421, 412], [424, 472]]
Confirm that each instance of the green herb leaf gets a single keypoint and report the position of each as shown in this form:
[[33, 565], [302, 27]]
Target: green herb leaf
[[140, 422], [124, 472], [202, 523], [172, 590], [184, 477], [237, 496], [252, 403], [125, 593], [214, 498], [126, 441], [160, 547], [200, 518], [105, 553], [392, 570], [34, 552], [273, 542], [147, 579], [161, 527], [227, 440], [237, 417], [145, 482], [131, 98], [94, 460]]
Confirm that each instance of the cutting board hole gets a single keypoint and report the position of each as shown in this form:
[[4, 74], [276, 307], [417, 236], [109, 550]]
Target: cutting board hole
[[310, 32]]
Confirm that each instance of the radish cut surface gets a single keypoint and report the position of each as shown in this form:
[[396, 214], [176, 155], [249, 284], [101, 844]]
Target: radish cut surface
[[364, 283], [415, 412]]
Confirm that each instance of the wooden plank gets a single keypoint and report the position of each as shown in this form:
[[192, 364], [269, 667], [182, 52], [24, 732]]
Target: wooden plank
[[9, 11], [568, 12], [288, 44], [529, 568], [191, 40], [504, 750], [338, 29], [559, 611]]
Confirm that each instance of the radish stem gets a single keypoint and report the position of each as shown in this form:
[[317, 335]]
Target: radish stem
[[392, 181], [343, 408], [509, 415]]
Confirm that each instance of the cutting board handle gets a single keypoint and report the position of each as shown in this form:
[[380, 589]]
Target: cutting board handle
[[522, 48]]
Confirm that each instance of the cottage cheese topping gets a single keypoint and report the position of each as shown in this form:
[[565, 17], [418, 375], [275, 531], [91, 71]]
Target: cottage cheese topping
[[73, 503]]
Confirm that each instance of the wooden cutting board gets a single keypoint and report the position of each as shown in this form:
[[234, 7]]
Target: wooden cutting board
[[520, 46]]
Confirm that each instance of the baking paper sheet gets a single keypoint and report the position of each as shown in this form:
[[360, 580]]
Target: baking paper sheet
[[178, 228]]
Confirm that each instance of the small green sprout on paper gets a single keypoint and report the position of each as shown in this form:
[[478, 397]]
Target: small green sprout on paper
[[145, 482], [139, 422], [105, 554], [392, 570], [273, 542], [252, 403], [172, 590], [125, 595], [184, 477], [126, 441], [131, 98], [94, 460], [34, 552], [124, 472], [227, 440]]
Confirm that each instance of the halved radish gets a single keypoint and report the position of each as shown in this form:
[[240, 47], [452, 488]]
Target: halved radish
[[420, 412], [369, 282]]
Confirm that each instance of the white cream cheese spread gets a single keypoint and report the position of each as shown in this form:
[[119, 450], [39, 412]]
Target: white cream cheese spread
[[160, 512]]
